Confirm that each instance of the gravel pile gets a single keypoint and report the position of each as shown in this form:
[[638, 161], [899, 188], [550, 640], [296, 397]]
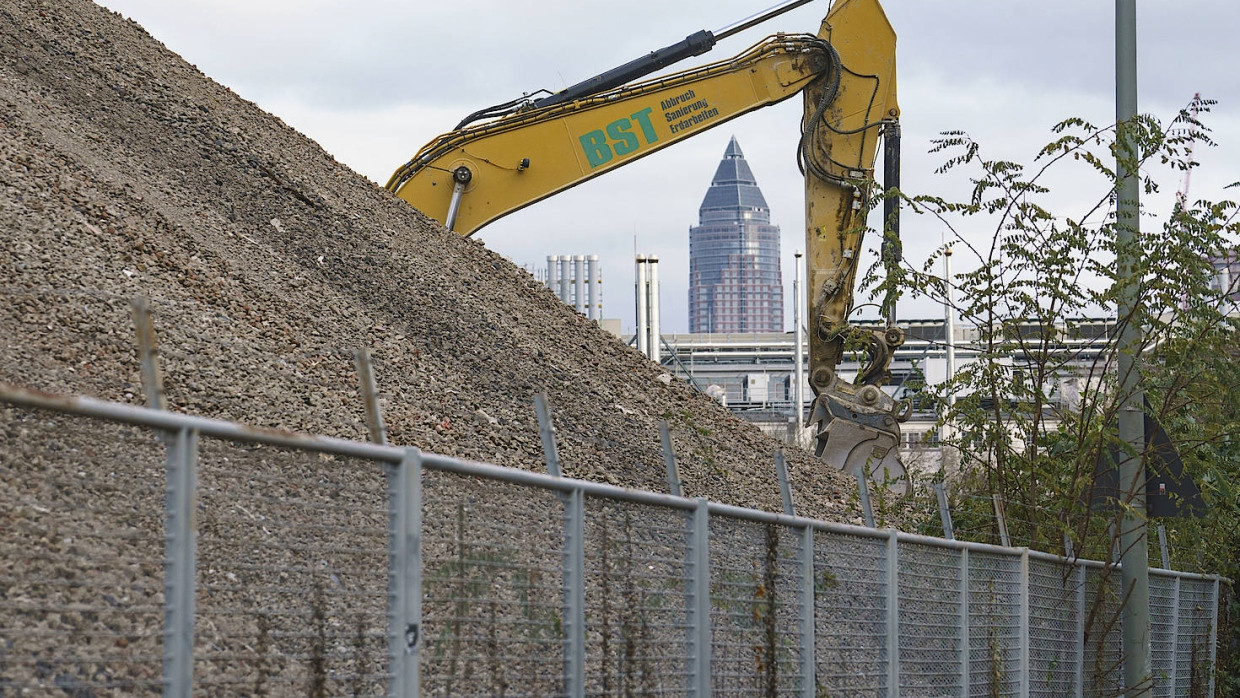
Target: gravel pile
[[125, 172]]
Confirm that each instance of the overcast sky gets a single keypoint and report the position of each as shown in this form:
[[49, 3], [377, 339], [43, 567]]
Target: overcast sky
[[373, 80]]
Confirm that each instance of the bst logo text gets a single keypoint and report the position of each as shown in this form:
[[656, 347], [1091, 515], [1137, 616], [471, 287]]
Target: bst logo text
[[618, 138]]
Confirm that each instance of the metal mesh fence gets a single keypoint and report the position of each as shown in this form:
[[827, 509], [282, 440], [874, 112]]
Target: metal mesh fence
[[82, 549], [292, 572], [493, 588], [994, 624], [755, 582], [1194, 647], [930, 630], [1102, 656], [1055, 601], [636, 577], [327, 567], [850, 628], [1162, 633]]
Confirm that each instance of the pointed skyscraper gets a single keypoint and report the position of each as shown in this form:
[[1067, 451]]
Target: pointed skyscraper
[[734, 278]]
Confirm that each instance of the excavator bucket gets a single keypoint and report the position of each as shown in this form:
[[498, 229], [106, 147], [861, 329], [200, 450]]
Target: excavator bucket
[[858, 433]]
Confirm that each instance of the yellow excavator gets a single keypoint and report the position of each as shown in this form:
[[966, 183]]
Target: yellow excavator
[[509, 156]]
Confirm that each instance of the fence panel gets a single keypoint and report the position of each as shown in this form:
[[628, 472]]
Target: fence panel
[[1104, 662], [493, 588], [82, 545], [755, 610], [995, 632], [1163, 595], [930, 629], [1053, 589], [292, 572], [636, 595], [1193, 652], [850, 609]]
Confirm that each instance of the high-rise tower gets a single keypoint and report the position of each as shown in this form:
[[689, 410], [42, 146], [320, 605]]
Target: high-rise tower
[[734, 278]]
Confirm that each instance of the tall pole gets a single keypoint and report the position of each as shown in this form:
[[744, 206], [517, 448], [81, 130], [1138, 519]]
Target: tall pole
[[949, 336], [1135, 556], [798, 353]]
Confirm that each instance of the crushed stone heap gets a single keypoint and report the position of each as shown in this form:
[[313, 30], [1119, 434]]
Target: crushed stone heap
[[126, 172]]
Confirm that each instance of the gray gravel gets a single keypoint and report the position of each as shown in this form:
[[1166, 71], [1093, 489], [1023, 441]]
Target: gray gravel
[[124, 171]]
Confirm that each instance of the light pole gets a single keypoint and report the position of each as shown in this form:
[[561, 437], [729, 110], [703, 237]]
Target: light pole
[[1134, 572]]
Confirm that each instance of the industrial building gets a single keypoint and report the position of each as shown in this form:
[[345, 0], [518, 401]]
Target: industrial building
[[753, 374]]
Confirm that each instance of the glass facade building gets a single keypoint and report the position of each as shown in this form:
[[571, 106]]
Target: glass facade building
[[734, 277]]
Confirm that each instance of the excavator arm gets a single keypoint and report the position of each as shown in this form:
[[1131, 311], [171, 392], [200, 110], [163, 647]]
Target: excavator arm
[[858, 422], [476, 174], [507, 157]]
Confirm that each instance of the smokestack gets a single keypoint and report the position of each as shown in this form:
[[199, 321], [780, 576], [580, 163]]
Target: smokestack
[[653, 299], [566, 275], [579, 283], [552, 262], [594, 288], [642, 325]]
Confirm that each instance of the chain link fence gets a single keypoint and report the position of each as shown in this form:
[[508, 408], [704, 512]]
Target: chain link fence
[[149, 551]]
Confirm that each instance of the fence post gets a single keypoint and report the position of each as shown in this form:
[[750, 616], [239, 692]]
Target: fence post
[[893, 613], [1213, 634], [152, 379], [809, 673], [965, 688], [180, 543], [863, 488], [370, 396], [785, 487], [1024, 623], [548, 436], [1162, 547], [1001, 519], [1175, 633], [1114, 543], [698, 587], [405, 574], [669, 459], [574, 594], [1080, 630], [944, 513]]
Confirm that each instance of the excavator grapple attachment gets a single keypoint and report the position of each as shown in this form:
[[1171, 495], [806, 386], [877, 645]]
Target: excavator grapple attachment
[[858, 432]]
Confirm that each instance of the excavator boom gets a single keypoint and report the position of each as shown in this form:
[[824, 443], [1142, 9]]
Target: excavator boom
[[514, 161]]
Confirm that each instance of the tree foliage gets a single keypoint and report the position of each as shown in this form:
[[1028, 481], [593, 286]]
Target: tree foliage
[[1035, 411]]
